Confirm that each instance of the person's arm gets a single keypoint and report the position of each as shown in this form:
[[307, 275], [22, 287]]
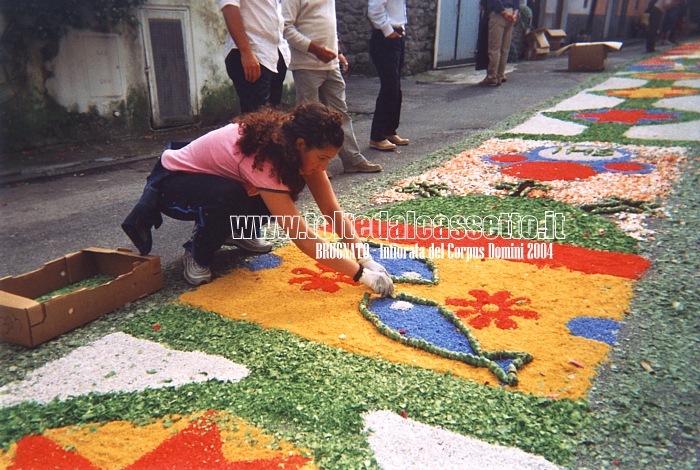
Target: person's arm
[[500, 6], [322, 53], [322, 191], [376, 12], [344, 66], [236, 28], [496, 6], [287, 215], [298, 40]]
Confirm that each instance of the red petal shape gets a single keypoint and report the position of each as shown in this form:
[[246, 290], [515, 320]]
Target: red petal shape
[[508, 158], [199, 446], [42, 452], [549, 171], [624, 166], [572, 257]]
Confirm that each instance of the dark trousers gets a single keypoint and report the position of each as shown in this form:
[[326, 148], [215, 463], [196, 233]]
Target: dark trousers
[[265, 90], [653, 28], [210, 201], [482, 42], [277, 82], [388, 57]]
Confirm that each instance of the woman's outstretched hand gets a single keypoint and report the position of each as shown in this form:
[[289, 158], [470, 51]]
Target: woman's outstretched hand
[[378, 281], [368, 262]]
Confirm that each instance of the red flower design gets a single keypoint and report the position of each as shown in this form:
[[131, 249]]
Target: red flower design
[[626, 116], [497, 308], [324, 279]]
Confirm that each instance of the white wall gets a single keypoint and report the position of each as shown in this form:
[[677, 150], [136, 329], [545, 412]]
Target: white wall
[[95, 70], [92, 70]]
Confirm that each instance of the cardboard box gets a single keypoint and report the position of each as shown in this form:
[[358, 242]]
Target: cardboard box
[[537, 39], [589, 56], [555, 38], [25, 321], [537, 45], [536, 54]]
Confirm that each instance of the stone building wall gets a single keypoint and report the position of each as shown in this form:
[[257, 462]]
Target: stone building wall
[[354, 30]]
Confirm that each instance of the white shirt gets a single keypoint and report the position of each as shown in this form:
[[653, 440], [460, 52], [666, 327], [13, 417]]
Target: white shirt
[[263, 27], [385, 15], [306, 21]]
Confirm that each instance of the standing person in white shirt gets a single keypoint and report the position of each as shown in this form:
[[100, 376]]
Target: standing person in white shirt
[[254, 51], [310, 28], [386, 47]]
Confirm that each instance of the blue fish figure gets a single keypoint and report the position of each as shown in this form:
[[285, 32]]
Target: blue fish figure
[[426, 325]]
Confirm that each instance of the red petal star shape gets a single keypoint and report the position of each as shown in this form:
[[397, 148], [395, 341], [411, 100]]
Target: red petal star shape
[[324, 279], [503, 303], [197, 446], [625, 116]]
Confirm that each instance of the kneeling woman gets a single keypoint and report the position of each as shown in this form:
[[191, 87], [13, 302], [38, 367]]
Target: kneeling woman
[[254, 167]]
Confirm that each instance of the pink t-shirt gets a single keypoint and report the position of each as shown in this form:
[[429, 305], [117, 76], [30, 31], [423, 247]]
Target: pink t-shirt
[[217, 153]]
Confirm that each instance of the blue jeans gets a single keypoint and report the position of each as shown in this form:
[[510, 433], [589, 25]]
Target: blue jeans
[[210, 201]]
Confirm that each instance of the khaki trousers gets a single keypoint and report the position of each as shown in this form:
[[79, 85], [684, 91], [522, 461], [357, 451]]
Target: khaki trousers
[[500, 34], [328, 87]]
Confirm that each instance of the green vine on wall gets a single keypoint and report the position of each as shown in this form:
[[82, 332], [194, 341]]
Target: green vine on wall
[[28, 115], [48, 20], [32, 23]]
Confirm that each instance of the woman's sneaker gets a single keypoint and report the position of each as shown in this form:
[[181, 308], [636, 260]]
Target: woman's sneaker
[[193, 272], [256, 245]]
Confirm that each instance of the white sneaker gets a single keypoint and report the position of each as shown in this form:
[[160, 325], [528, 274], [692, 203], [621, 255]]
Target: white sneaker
[[256, 245], [193, 272]]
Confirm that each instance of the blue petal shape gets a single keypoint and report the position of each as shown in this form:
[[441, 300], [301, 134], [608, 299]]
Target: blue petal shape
[[504, 364], [650, 68], [259, 263], [399, 264], [422, 322], [597, 329]]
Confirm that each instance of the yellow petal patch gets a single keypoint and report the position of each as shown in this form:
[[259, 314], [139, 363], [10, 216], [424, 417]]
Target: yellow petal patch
[[270, 299]]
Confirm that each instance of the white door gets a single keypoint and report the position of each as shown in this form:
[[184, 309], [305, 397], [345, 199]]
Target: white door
[[458, 28]]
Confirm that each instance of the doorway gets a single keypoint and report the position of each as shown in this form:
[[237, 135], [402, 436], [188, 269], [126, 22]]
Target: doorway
[[169, 66], [458, 28]]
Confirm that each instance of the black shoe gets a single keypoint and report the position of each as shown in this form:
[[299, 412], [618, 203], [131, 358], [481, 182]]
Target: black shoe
[[137, 227]]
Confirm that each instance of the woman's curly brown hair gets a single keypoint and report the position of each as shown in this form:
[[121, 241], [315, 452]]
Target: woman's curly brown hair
[[271, 136]]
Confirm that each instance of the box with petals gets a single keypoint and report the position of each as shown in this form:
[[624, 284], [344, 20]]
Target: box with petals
[[28, 320]]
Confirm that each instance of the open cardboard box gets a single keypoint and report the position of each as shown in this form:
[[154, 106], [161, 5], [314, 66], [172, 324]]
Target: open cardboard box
[[25, 321], [555, 37], [538, 46], [589, 56]]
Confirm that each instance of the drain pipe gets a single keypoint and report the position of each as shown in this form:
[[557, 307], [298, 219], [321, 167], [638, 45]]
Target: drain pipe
[[591, 17]]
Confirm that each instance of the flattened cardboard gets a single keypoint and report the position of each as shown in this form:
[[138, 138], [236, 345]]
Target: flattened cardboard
[[538, 46], [536, 54], [29, 323], [555, 37], [589, 56], [555, 33], [538, 38]]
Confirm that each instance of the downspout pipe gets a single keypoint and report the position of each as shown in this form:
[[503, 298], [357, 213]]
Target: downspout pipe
[[591, 17]]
